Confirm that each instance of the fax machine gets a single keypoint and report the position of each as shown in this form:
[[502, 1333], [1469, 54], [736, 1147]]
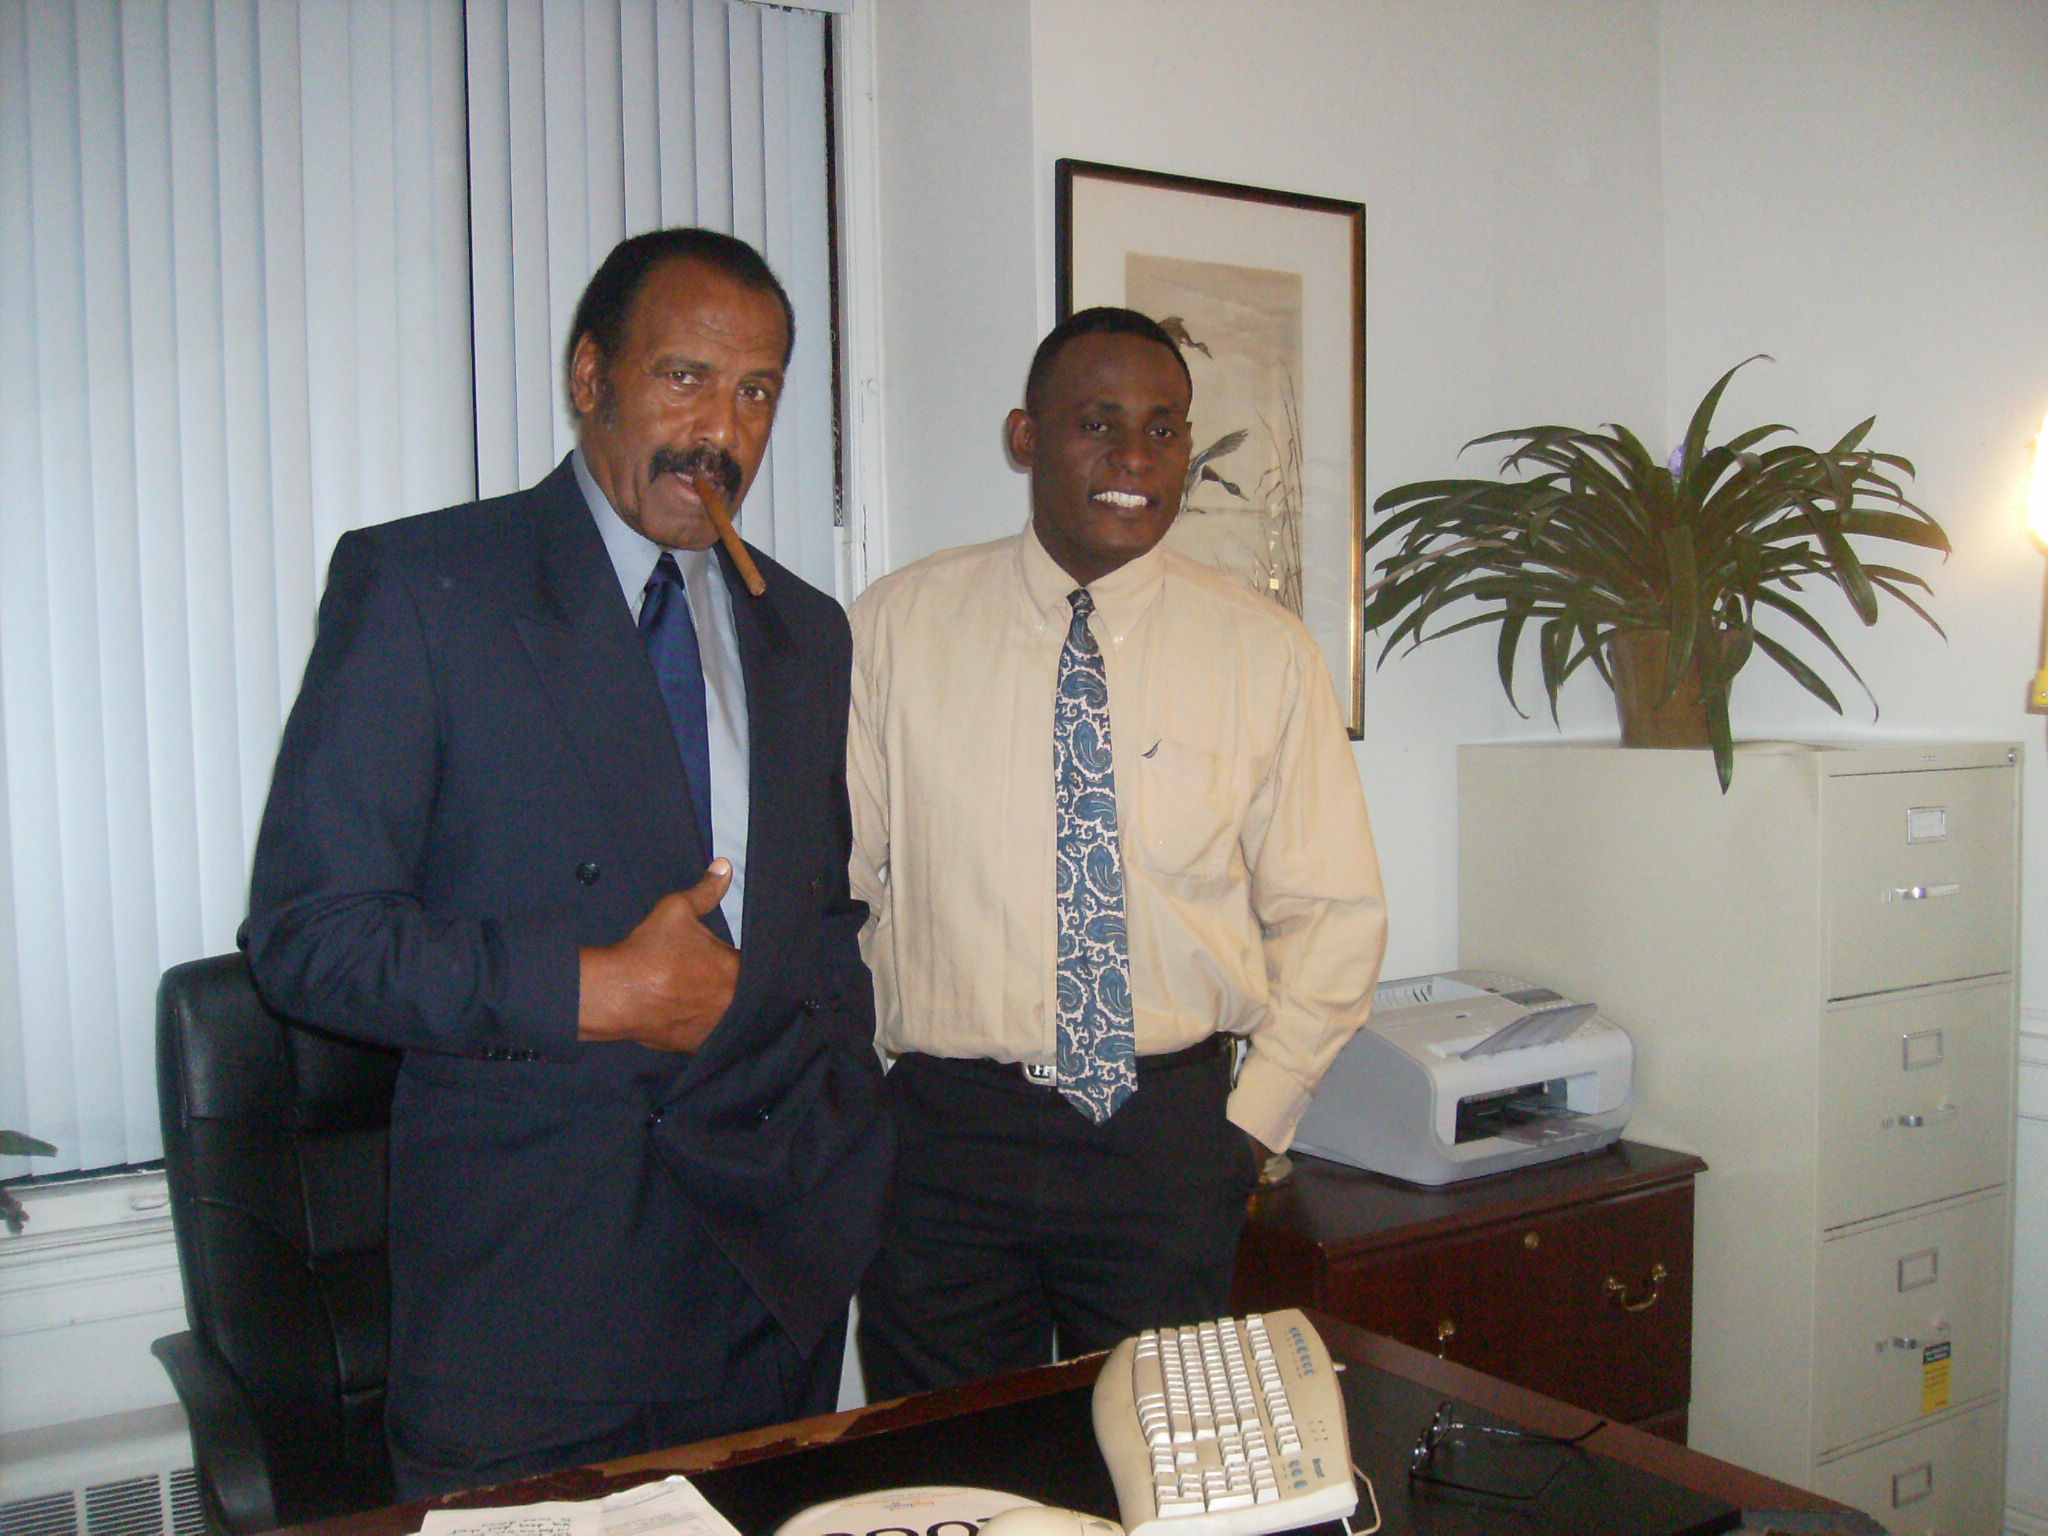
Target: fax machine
[[1470, 1072]]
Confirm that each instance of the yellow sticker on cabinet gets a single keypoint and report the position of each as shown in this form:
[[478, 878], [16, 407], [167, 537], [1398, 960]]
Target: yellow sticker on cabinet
[[1934, 1377]]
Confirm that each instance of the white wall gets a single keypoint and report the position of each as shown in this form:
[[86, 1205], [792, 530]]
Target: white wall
[[960, 260], [1578, 210]]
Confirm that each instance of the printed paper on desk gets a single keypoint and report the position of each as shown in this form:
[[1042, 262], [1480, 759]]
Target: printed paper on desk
[[562, 1518], [671, 1507]]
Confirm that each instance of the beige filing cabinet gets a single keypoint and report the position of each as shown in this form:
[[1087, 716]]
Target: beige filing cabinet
[[1818, 972]]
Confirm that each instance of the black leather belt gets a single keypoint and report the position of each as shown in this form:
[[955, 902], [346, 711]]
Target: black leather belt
[[1041, 1075]]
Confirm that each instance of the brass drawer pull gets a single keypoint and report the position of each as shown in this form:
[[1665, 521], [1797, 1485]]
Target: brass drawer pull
[[1445, 1332], [1658, 1275]]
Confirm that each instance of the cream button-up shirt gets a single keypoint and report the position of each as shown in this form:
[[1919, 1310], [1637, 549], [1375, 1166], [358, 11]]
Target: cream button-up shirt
[[1252, 890]]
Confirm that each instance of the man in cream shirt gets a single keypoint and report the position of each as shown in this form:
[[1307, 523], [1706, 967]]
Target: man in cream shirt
[[1072, 935]]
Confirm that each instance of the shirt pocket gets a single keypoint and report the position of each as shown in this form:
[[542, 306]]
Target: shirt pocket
[[1185, 812]]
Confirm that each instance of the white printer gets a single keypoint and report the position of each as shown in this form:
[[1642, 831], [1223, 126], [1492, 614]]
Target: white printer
[[1470, 1072]]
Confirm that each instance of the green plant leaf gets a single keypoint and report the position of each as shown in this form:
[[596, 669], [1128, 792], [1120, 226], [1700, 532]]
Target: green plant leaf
[[1797, 613], [1895, 583], [1512, 619], [1897, 527], [1684, 611], [1800, 672], [1721, 738], [1703, 414]]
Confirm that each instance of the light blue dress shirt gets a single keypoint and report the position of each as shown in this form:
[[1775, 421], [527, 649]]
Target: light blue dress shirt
[[633, 557]]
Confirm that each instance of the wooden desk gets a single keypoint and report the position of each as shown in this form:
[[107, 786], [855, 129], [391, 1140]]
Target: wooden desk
[[1573, 1278], [1054, 1387]]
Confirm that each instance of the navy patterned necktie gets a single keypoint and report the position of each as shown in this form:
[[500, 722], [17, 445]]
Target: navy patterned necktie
[[1097, 1066], [671, 636]]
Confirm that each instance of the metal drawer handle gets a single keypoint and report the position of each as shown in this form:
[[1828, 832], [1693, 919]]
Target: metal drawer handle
[[1658, 1275], [1921, 892], [1445, 1332], [1939, 1116], [1905, 1342]]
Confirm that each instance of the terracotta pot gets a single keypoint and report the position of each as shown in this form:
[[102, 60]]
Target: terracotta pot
[[1649, 718]]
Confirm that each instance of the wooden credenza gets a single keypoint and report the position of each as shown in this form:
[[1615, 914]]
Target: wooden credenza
[[1571, 1278]]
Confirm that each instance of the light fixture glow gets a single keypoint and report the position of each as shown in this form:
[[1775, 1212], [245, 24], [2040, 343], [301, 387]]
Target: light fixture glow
[[2037, 530], [2037, 490]]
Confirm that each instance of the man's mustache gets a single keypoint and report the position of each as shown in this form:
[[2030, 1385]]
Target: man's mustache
[[714, 464]]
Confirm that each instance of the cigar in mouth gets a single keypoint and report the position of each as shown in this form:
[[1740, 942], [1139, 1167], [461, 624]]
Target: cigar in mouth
[[713, 497]]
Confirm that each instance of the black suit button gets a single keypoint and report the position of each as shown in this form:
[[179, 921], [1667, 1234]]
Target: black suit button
[[763, 1115], [587, 873], [810, 1005], [653, 1118], [817, 884]]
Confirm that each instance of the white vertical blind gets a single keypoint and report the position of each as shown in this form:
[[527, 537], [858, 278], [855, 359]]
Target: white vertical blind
[[594, 119], [214, 225], [270, 269]]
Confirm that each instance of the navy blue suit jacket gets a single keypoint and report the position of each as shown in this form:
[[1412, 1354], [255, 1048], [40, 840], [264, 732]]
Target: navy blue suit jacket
[[477, 779]]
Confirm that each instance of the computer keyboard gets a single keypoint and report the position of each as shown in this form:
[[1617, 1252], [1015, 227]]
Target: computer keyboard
[[1227, 1428]]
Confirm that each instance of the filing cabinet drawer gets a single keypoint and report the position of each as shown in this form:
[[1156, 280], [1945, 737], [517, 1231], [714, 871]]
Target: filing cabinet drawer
[[1918, 877], [1909, 1320], [1919, 1099], [1946, 1479]]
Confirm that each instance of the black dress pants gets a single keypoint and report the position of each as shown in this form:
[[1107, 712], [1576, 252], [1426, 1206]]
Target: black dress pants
[[1017, 1232]]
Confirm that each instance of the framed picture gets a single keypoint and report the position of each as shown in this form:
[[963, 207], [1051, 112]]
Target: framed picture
[[1265, 292]]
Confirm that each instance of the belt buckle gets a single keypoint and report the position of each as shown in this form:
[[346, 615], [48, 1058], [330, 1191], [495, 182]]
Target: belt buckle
[[1043, 1073]]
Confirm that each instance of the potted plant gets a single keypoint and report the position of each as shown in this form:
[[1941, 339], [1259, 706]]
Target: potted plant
[[1656, 572]]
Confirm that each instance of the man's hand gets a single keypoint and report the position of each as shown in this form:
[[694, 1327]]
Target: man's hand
[[668, 982], [1274, 1167]]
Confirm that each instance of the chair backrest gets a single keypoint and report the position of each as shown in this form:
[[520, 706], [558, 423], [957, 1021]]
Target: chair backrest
[[274, 1143]]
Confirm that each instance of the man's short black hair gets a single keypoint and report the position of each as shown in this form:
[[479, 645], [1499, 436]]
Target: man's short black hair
[[1103, 320], [601, 312]]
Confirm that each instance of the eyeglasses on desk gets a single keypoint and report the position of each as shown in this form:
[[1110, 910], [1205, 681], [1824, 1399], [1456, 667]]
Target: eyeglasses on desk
[[1488, 1459]]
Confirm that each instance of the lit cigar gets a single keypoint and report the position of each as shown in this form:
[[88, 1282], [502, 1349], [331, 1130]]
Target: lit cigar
[[714, 503]]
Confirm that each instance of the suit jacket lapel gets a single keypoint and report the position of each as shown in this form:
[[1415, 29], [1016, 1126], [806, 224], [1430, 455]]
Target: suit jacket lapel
[[765, 662], [593, 666]]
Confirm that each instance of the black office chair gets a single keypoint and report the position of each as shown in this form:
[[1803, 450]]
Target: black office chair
[[274, 1142]]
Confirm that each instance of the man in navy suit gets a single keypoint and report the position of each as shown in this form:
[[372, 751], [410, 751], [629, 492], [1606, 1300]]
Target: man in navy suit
[[635, 1153]]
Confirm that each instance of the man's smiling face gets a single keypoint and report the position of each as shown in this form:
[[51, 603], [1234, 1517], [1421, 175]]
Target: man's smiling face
[[693, 389], [1107, 446]]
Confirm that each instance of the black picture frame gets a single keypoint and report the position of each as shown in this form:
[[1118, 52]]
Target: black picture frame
[[1265, 291]]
